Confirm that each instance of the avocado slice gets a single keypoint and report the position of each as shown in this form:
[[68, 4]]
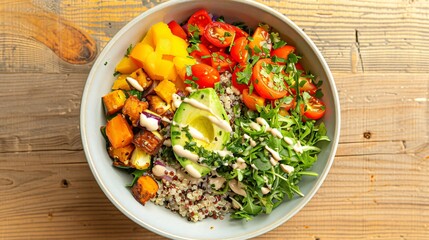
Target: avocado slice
[[199, 115]]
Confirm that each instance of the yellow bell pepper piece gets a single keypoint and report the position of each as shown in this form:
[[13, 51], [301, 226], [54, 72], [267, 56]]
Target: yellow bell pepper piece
[[148, 39], [126, 66], [140, 52], [121, 83], [160, 30], [180, 64]]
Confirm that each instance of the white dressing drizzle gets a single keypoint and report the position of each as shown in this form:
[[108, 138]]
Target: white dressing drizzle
[[275, 154], [150, 124], [276, 133], [255, 126], [180, 151], [197, 104], [220, 123], [192, 171], [167, 142], [177, 100]]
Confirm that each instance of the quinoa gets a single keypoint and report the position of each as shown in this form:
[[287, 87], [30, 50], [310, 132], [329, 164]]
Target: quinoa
[[191, 198], [229, 96]]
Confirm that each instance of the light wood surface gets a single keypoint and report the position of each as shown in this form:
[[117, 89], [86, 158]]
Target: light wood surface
[[378, 187]]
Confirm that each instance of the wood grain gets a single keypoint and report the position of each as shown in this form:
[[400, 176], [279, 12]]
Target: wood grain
[[378, 185]]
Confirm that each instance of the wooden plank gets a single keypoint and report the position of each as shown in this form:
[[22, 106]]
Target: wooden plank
[[365, 196], [352, 35]]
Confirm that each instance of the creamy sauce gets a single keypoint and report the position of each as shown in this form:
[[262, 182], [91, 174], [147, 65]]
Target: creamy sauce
[[192, 171], [150, 124], [177, 100], [164, 119], [297, 147], [255, 126], [275, 154], [265, 190], [180, 151], [252, 142], [286, 168], [197, 104], [167, 142], [193, 131], [190, 89], [223, 153], [262, 122], [224, 125], [217, 182], [288, 140], [240, 164], [273, 161], [276, 133], [135, 84]]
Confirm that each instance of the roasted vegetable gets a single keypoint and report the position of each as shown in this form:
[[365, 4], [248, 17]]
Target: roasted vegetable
[[121, 83], [157, 105], [144, 189], [148, 141], [119, 132], [133, 107], [165, 90], [122, 154], [140, 159], [114, 101], [141, 77]]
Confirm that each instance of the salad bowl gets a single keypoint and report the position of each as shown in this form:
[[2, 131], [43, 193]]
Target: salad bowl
[[113, 181]]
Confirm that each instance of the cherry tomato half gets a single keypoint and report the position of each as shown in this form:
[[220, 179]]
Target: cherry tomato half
[[314, 108], [260, 42], [177, 30], [267, 78], [200, 19], [307, 87], [219, 34], [212, 48], [239, 32], [222, 62], [201, 54], [283, 52], [251, 100], [238, 51], [239, 86], [204, 75]]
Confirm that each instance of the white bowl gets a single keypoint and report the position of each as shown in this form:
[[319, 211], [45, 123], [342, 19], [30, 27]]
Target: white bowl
[[112, 181]]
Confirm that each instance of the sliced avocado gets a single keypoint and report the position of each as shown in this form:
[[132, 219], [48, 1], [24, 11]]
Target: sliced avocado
[[197, 120]]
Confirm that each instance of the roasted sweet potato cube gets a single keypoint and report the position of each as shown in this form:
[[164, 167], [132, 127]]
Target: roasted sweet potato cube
[[141, 77], [119, 132], [157, 105], [148, 141], [144, 189], [133, 107], [122, 154], [165, 90], [121, 83], [114, 101]]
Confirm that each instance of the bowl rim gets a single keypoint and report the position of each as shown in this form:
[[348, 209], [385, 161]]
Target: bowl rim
[[276, 14]]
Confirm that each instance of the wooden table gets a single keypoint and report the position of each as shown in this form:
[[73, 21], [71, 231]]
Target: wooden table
[[378, 187]]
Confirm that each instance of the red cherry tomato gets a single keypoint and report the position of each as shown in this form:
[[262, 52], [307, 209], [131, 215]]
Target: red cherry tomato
[[200, 19], [239, 86], [314, 108], [298, 66], [283, 52], [307, 87], [212, 48], [222, 62], [177, 30], [219, 34], [201, 54], [204, 75], [251, 100], [267, 78], [239, 32], [260, 42], [238, 51]]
